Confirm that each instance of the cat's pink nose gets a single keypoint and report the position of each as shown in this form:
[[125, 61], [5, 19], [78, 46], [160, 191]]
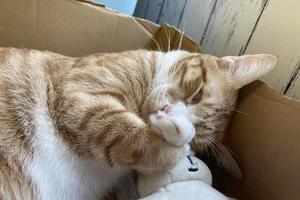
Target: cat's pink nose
[[166, 108]]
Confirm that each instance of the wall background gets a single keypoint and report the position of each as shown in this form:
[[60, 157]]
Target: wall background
[[236, 27], [124, 6]]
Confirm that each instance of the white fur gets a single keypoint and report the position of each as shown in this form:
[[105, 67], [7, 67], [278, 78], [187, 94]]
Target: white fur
[[174, 125], [60, 174], [165, 62]]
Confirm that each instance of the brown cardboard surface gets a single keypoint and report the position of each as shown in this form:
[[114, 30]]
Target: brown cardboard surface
[[68, 27], [149, 26], [265, 139]]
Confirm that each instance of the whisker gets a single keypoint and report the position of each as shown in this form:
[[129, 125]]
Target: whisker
[[169, 41], [180, 41], [221, 151], [174, 68], [157, 44], [230, 109], [218, 146], [222, 146], [195, 49], [224, 152], [206, 148], [211, 147], [168, 38]]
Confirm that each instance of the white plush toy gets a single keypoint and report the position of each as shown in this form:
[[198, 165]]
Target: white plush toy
[[189, 180]]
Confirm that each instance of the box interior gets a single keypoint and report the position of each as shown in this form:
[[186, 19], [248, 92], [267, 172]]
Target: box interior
[[265, 133]]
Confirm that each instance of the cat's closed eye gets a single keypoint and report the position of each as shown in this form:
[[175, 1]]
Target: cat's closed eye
[[197, 98]]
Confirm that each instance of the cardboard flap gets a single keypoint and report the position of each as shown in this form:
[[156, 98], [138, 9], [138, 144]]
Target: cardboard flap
[[92, 3], [149, 26], [68, 27], [169, 38], [265, 137], [78, 28]]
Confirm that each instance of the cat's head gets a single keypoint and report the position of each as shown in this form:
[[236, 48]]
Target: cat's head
[[208, 86]]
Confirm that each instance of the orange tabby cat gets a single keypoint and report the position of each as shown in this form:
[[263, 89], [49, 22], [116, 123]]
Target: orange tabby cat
[[71, 127]]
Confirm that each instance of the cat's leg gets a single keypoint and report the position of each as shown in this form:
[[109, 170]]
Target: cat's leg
[[105, 128], [164, 121]]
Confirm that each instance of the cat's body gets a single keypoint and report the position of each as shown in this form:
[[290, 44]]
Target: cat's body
[[71, 127], [49, 155]]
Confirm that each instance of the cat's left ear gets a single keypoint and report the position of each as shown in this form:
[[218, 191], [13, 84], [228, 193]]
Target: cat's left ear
[[245, 69]]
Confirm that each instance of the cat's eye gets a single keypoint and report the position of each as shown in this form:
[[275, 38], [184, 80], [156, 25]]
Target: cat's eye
[[197, 97]]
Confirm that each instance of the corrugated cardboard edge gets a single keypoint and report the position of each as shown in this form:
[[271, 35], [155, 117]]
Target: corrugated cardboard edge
[[272, 92], [92, 3]]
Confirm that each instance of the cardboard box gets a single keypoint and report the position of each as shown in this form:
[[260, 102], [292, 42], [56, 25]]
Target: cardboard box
[[264, 135]]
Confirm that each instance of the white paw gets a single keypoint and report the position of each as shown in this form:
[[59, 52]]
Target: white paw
[[173, 125]]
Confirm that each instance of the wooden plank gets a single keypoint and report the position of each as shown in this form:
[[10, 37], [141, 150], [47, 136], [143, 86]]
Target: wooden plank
[[277, 32], [149, 9], [294, 83], [141, 8], [154, 10], [191, 16], [172, 12], [230, 26], [195, 17]]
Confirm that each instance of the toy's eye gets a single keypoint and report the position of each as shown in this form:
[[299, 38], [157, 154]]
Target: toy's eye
[[191, 169], [197, 97]]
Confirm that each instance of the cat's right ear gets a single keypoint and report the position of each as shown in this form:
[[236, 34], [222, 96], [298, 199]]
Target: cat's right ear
[[242, 70]]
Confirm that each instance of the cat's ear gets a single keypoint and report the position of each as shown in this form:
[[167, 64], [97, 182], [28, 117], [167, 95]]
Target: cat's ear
[[245, 69]]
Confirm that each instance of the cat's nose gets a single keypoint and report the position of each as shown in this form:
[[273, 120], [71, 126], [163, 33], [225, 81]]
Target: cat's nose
[[166, 108]]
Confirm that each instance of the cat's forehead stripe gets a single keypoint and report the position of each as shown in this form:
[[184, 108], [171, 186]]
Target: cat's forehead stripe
[[192, 74]]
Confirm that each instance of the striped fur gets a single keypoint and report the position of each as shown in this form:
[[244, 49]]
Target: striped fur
[[72, 127]]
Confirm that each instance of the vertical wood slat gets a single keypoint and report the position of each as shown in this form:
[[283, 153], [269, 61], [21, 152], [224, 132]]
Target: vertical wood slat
[[231, 25], [154, 10], [294, 82], [141, 8], [196, 17], [277, 33], [172, 12], [149, 9], [227, 24], [294, 89], [191, 16]]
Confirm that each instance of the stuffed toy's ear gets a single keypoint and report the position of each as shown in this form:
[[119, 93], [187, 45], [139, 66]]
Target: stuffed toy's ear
[[245, 69]]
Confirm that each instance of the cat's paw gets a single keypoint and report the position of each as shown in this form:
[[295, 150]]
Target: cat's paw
[[173, 125]]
